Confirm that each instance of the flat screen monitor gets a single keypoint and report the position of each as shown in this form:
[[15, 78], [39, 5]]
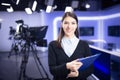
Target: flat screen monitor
[[86, 31], [38, 33], [114, 31]]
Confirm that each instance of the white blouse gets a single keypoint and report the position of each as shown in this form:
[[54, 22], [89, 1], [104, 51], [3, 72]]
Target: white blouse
[[69, 45]]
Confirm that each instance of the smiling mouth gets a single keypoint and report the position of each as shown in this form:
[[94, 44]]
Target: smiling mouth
[[68, 30]]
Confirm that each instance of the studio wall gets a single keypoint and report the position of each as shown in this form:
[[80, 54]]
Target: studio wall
[[51, 19]]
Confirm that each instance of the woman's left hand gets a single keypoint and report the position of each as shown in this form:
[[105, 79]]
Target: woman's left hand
[[73, 74]]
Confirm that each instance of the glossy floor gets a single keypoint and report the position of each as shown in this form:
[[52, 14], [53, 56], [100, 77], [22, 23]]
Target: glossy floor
[[12, 68]]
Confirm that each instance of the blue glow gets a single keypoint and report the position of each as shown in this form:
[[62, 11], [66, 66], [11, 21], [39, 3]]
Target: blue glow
[[102, 68], [0, 20]]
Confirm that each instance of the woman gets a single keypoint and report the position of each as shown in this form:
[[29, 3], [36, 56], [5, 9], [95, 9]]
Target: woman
[[63, 53]]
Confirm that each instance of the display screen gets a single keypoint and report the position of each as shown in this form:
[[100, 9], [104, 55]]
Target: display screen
[[86, 31], [114, 30], [38, 32]]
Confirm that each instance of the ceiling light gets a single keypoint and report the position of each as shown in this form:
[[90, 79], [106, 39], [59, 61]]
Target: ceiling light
[[28, 10], [55, 7], [68, 9], [10, 9], [87, 5], [34, 5], [17, 2], [49, 9], [5, 4]]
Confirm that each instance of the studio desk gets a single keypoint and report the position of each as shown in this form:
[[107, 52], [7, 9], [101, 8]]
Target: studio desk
[[102, 66]]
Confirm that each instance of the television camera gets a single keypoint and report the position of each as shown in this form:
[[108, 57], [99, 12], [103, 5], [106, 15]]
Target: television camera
[[31, 36]]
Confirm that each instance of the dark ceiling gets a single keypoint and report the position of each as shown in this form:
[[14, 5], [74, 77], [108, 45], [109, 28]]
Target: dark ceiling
[[61, 4]]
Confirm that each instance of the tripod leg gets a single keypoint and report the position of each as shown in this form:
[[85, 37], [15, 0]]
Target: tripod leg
[[37, 59], [34, 52], [12, 48], [10, 53], [24, 64], [41, 65]]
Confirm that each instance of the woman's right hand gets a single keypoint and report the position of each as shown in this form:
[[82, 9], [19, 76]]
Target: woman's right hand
[[74, 65]]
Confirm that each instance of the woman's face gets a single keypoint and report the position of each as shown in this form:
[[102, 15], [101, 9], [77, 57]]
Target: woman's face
[[69, 25]]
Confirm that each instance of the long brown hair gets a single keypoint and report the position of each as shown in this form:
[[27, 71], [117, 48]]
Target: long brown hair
[[61, 33]]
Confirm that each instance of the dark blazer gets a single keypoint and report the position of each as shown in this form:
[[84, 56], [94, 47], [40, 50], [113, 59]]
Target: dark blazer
[[57, 60]]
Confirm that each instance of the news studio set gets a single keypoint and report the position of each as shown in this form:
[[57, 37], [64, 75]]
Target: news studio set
[[33, 43]]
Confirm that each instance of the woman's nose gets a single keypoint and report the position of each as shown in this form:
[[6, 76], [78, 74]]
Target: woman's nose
[[69, 25]]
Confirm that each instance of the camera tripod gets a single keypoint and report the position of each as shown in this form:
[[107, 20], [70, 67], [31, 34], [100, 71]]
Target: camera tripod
[[26, 50]]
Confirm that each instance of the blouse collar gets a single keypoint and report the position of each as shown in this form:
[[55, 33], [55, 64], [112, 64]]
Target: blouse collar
[[71, 40]]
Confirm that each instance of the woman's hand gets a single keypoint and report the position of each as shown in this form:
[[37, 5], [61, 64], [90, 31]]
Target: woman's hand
[[74, 65], [73, 74]]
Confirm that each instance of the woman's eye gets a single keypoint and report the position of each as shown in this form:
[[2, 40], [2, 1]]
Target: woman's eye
[[65, 22], [73, 23]]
